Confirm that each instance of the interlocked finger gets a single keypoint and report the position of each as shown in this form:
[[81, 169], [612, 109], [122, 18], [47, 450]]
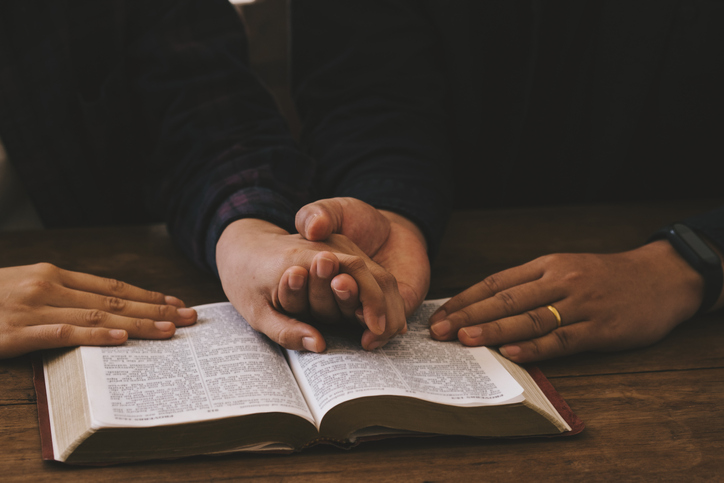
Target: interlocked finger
[[346, 293], [292, 291], [322, 302]]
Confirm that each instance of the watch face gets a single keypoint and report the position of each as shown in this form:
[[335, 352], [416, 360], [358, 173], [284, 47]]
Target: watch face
[[696, 244]]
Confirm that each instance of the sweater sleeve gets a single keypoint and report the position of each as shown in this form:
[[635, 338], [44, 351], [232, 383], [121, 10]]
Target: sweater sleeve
[[370, 89], [220, 148]]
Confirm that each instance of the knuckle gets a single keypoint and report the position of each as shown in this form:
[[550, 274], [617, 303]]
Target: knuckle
[[507, 300], [139, 323], [356, 263], [563, 341], [63, 333], [115, 304], [461, 318], [94, 318], [164, 312], [573, 277], [494, 330], [285, 338], [115, 286], [537, 322], [493, 283], [155, 297], [551, 259], [45, 269], [387, 281], [37, 287]]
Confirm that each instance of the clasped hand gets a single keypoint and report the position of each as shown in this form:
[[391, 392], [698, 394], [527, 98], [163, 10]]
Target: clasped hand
[[349, 262]]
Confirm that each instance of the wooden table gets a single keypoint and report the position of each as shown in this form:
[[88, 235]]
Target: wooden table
[[651, 414]]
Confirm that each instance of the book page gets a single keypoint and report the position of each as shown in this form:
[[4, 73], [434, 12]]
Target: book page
[[412, 364], [218, 367]]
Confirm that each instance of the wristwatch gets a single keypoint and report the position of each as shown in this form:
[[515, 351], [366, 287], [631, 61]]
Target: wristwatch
[[701, 258]]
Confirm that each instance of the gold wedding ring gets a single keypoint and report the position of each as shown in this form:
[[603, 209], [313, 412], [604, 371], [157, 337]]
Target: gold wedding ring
[[557, 314]]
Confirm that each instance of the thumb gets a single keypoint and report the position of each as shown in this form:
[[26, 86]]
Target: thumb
[[316, 221], [288, 332], [353, 218]]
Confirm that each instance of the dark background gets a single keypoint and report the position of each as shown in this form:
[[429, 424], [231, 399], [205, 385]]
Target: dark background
[[267, 23]]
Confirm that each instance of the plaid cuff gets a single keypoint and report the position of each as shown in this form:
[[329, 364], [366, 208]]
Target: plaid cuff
[[256, 202]]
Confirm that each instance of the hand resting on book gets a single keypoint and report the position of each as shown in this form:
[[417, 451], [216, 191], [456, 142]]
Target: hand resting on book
[[265, 273], [606, 303], [44, 307]]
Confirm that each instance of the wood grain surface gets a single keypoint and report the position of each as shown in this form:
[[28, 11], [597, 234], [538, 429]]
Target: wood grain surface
[[651, 414]]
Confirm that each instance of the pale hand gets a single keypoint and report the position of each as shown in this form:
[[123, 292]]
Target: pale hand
[[255, 257], [45, 307], [606, 303]]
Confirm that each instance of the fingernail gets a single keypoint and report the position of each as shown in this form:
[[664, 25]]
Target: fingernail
[[164, 326], [473, 332], [359, 313], [186, 313], [342, 294], [118, 334], [296, 281], [376, 344], [325, 267], [381, 323], [438, 315], [309, 223], [510, 350], [441, 329], [309, 344]]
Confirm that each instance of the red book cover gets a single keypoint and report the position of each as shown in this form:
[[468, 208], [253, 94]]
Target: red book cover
[[46, 440]]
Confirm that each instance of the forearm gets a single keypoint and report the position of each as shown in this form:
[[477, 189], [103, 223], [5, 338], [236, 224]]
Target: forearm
[[221, 149]]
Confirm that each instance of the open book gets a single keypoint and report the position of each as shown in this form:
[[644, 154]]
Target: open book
[[220, 386]]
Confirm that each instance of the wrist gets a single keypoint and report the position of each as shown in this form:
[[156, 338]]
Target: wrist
[[677, 279], [240, 234], [701, 257], [407, 224], [720, 298]]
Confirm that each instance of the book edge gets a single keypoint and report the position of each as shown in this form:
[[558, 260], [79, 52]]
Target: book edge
[[41, 396], [556, 400], [536, 374]]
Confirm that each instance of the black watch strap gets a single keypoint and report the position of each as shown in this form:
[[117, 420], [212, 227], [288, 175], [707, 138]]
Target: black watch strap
[[700, 256]]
